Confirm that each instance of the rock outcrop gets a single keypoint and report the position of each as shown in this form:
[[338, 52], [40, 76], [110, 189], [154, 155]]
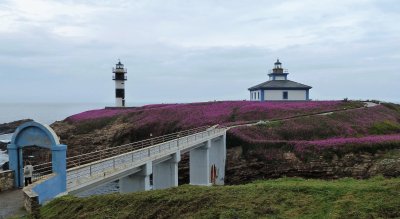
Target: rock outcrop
[[3, 146], [258, 164], [10, 127]]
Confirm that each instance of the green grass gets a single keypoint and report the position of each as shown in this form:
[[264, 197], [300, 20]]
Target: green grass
[[385, 127], [282, 198]]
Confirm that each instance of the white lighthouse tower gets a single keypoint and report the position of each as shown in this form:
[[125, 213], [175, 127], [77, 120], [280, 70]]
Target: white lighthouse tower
[[119, 78]]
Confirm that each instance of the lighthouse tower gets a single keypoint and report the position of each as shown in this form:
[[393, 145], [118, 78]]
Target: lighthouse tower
[[119, 78]]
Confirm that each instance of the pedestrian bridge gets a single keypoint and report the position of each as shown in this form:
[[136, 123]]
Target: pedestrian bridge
[[139, 166]]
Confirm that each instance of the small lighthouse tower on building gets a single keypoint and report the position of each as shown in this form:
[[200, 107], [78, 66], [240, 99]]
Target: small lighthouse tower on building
[[119, 78]]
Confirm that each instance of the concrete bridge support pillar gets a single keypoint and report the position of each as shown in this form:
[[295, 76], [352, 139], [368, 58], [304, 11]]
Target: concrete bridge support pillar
[[165, 174], [217, 160], [139, 181], [199, 166]]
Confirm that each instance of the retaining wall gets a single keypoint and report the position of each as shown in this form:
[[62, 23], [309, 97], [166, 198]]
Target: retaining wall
[[6, 180]]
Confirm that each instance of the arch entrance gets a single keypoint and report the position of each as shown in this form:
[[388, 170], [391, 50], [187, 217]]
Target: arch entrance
[[34, 134]]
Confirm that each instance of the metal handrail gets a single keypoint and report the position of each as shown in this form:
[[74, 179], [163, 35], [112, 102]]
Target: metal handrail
[[41, 170], [113, 151], [119, 70], [284, 70]]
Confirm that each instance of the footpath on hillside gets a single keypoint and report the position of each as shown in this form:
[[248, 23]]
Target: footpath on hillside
[[366, 104]]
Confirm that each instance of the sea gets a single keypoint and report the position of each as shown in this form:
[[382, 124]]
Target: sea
[[43, 112], [46, 113]]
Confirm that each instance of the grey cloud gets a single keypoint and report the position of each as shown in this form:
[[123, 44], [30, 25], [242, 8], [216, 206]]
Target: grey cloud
[[203, 50]]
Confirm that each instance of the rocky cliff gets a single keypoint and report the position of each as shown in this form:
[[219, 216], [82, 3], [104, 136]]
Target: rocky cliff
[[259, 164], [10, 127]]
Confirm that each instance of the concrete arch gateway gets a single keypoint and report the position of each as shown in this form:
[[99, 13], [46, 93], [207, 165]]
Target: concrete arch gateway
[[40, 135]]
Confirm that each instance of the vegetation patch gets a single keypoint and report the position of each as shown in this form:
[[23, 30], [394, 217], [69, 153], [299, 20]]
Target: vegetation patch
[[385, 127], [281, 198], [219, 112], [378, 120], [92, 125]]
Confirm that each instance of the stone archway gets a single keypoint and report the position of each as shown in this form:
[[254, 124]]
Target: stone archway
[[40, 135]]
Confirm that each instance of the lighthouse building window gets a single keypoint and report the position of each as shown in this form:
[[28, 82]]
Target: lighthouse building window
[[285, 95]]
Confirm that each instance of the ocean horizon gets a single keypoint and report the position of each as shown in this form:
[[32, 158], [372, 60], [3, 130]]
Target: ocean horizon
[[47, 113]]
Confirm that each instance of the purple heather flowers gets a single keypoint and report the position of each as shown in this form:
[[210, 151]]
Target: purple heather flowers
[[209, 113]]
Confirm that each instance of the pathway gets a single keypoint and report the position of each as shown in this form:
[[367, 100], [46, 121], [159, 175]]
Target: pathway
[[11, 204], [366, 104]]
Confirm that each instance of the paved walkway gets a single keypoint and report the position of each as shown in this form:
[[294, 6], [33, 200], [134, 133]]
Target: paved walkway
[[11, 204], [370, 104]]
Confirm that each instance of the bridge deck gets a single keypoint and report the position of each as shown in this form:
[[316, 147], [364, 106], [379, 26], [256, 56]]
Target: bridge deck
[[114, 167]]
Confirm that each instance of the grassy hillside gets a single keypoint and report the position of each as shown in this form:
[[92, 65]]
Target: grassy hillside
[[365, 129], [102, 128], [356, 143], [282, 198], [210, 113], [378, 120]]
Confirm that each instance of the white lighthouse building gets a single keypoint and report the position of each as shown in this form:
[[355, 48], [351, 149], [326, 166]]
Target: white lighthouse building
[[119, 78], [279, 88]]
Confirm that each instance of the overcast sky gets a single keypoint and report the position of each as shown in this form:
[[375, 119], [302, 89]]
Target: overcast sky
[[188, 51]]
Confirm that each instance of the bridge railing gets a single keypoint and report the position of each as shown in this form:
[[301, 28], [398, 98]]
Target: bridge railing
[[113, 151], [102, 168], [41, 170]]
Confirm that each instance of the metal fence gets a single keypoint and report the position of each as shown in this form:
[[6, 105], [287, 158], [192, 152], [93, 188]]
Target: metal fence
[[113, 151], [41, 170]]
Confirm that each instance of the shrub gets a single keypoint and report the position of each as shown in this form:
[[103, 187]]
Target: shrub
[[385, 127]]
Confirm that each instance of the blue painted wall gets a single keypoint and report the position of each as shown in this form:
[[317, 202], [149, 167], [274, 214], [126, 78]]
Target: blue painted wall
[[33, 133], [49, 189]]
